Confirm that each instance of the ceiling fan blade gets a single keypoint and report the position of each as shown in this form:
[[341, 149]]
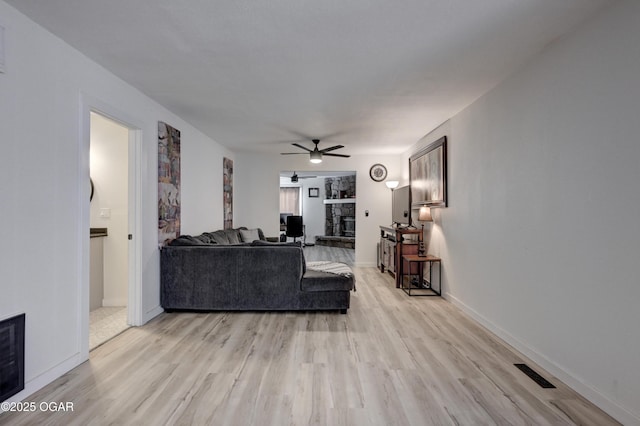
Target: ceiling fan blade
[[302, 146], [293, 153], [308, 137], [307, 177], [332, 135], [338, 155], [301, 135], [331, 148]]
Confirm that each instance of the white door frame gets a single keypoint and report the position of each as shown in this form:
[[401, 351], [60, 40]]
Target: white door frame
[[89, 104]]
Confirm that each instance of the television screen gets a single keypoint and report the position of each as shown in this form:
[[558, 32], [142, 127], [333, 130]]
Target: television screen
[[401, 210]]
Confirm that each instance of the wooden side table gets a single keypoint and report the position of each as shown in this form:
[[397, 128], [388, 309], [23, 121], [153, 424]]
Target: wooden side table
[[408, 285]]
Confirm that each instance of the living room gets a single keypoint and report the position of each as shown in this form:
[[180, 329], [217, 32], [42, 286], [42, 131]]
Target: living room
[[532, 163]]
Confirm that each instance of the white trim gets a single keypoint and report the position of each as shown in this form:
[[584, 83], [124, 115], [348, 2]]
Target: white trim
[[590, 393], [1, 49], [149, 315], [114, 302], [339, 201], [90, 104], [134, 305], [84, 224]]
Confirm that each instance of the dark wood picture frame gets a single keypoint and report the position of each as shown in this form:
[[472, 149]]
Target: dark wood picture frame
[[428, 175], [314, 192]]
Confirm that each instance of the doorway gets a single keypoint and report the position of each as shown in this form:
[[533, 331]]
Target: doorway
[[327, 203], [109, 166]]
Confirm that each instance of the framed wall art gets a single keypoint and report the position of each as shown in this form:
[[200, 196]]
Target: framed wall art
[[314, 192], [428, 175], [168, 182], [227, 192]]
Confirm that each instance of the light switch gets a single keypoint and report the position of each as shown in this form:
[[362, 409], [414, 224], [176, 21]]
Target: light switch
[[105, 213]]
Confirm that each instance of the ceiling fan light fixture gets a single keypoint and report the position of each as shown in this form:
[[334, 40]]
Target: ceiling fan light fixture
[[315, 157]]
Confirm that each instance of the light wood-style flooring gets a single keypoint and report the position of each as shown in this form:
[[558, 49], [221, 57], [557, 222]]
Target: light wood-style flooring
[[392, 360]]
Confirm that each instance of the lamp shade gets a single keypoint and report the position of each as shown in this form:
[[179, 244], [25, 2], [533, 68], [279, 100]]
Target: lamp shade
[[425, 214], [316, 157], [392, 184]]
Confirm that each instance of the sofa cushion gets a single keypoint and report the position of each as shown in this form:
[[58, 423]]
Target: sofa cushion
[[249, 235], [233, 235], [206, 237], [188, 240], [219, 237], [325, 281], [222, 237], [318, 281]]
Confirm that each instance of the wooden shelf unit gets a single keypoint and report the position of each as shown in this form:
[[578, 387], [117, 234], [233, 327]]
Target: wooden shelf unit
[[393, 246]]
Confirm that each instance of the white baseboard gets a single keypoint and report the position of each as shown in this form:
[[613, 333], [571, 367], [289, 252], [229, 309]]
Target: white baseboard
[[114, 302], [151, 314], [616, 411], [47, 377]]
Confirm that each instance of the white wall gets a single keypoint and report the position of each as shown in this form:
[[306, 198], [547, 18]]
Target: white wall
[[44, 174], [541, 237], [313, 209], [110, 172], [201, 173], [257, 201]]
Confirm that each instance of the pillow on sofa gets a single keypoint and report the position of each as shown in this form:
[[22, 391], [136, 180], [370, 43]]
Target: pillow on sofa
[[233, 236], [218, 237], [207, 238], [249, 235]]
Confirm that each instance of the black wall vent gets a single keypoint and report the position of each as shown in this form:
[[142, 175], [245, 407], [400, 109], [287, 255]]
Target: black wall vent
[[11, 356], [535, 376]]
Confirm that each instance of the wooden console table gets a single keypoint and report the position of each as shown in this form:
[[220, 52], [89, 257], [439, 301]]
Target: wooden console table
[[393, 247]]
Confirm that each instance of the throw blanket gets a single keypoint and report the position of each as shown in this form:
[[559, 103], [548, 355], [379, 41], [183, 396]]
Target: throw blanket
[[332, 268]]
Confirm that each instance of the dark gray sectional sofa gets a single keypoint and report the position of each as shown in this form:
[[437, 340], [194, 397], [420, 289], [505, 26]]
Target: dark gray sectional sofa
[[202, 274]]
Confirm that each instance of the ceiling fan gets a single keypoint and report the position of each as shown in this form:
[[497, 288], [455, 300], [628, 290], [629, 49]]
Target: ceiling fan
[[295, 177], [316, 154]]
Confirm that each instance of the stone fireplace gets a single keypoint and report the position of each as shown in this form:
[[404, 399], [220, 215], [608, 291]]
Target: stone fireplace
[[339, 189], [348, 226], [340, 212]]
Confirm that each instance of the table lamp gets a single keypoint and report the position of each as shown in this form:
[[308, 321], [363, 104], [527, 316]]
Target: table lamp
[[424, 215]]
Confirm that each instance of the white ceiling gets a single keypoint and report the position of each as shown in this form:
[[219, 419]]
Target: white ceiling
[[372, 75]]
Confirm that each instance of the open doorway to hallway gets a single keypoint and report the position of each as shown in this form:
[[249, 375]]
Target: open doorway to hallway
[[326, 200], [109, 219]]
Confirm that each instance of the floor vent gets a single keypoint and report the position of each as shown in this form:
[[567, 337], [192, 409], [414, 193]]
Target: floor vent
[[535, 376]]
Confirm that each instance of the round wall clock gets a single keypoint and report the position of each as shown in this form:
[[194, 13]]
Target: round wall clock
[[378, 172]]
